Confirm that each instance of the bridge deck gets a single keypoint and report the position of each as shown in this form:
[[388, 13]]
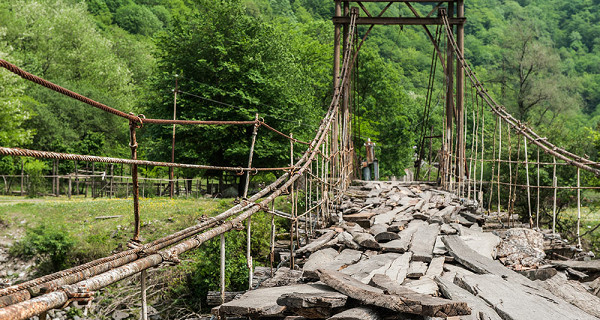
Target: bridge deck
[[410, 251]]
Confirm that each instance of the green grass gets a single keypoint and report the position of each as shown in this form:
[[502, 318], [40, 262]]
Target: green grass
[[590, 218], [98, 237]]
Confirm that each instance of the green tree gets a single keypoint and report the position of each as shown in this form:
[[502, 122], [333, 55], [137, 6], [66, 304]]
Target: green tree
[[225, 55], [138, 19]]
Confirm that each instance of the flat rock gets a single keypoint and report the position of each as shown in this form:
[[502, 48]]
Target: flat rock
[[374, 296], [360, 313], [515, 301], [366, 240], [282, 277], [366, 269], [262, 302], [423, 241], [313, 305], [416, 269], [346, 239], [480, 310]]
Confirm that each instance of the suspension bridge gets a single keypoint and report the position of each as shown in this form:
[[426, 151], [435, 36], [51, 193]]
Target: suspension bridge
[[467, 168]]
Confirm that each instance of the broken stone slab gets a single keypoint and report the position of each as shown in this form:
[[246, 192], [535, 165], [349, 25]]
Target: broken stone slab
[[361, 216], [435, 268], [399, 268], [282, 277], [378, 228], [592, 265], [366, 269], [573, 292], [480, 310], [484, 243], [384, 218], [401, 245], [423, 241], [262, 302], [318, 243], [329, 259], [439, 249], [398, 246], [366, 240], [423, 286], [515, 301], [346, 239], [377, 297], [411, 295], [359, 313], [416, 269], [539, 274], [313, 305], [447, 229]]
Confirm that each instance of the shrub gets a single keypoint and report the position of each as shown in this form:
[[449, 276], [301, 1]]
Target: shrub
[[35, 169], [52, 246]]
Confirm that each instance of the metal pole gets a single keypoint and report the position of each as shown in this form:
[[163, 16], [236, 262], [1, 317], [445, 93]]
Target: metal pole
[[134, 177], [171, 170], [245, 195], [537, 213], [449, 100], [222, 268], [143, 275], [578, 209], [460, 88], [528, 189], [554, 184]]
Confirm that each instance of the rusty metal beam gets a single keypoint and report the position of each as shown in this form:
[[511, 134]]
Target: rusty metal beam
[[417, 1], [399, 21]]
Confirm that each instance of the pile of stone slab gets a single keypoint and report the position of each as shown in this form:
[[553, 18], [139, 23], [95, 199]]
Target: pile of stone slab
[[401, 251]]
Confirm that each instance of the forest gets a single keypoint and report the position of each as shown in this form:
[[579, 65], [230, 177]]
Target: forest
[[233, 59], [274, 58]]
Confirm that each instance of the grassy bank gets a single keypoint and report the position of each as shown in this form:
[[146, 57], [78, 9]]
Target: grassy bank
[[97, 227]]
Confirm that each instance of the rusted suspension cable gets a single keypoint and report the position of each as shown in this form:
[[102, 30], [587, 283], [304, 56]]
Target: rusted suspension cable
[[28, 76], [57, 298], [77, 157], [264, 124], [10, 294], [517, 125], [198, 122]]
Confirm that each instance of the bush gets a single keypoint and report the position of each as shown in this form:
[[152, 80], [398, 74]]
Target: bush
[[51, 246], [36, 183], [138, 20]]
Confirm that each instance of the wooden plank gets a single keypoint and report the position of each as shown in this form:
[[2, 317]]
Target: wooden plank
[[514, 301], [423, 241], [480, 310], [573, 292], [359, 313], [431, 306], [374, 296]]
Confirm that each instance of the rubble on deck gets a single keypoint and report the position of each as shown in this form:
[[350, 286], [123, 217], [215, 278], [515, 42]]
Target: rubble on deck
[[410, 251]]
